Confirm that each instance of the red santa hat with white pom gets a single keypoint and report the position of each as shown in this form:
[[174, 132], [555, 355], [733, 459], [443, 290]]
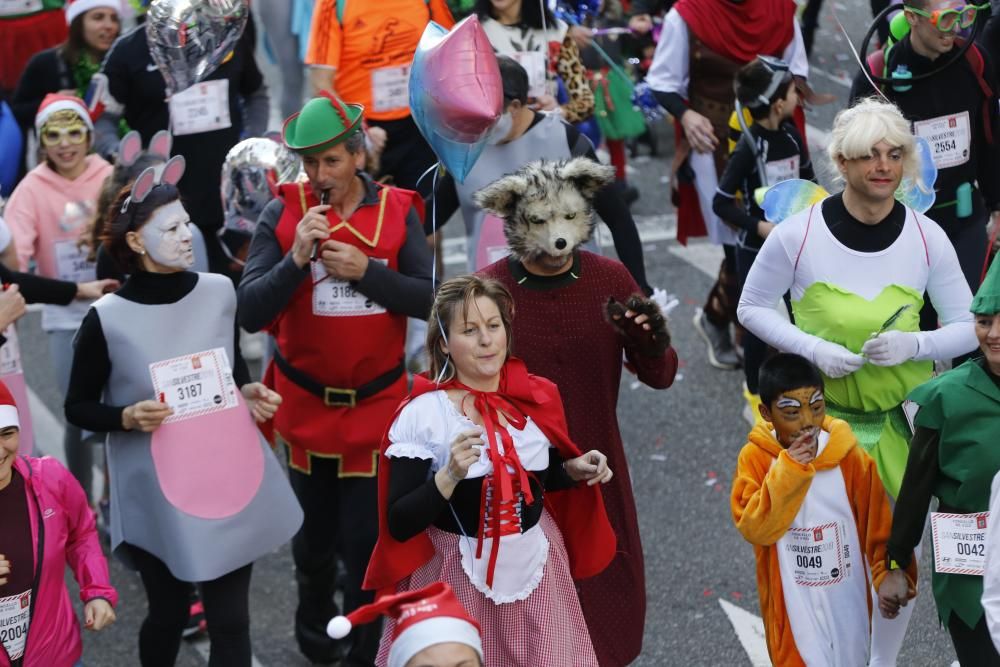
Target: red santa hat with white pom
[[76, 7], [8, 408], [425, 617]]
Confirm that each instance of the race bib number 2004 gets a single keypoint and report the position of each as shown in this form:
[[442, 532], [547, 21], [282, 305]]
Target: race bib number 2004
[[15, 614]]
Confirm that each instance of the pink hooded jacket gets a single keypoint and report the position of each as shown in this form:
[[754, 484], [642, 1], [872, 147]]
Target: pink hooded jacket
[[62, 533]]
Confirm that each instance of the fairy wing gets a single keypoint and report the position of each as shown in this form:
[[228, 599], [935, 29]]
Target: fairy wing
[[787, 198], [918, 193]]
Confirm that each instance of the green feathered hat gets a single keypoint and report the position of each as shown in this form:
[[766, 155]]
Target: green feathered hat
[[324, 121], [987, 299]]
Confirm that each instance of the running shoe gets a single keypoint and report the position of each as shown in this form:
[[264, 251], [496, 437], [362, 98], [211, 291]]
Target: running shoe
[[721, 352]]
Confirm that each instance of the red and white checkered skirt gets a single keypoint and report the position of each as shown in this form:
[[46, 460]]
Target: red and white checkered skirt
[[546, 628]]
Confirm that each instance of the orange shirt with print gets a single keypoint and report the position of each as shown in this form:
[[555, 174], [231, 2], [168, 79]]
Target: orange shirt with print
[[372, 49]]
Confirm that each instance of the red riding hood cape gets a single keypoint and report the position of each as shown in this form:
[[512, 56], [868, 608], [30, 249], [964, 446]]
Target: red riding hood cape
[[579, 511], [740, 30]]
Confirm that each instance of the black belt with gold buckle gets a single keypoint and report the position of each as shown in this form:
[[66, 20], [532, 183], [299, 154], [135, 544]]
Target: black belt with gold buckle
[[337, 397]]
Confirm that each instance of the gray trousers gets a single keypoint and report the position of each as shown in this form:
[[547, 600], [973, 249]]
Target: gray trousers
[[276, 17], [79, 457]]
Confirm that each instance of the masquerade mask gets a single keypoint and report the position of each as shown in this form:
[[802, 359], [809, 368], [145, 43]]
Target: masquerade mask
[[63, 125], [950, 20], [780, 74]]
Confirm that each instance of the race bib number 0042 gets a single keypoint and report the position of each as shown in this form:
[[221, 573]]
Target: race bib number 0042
[[15, 615], [195, 384], [818, 554], [959, 542]]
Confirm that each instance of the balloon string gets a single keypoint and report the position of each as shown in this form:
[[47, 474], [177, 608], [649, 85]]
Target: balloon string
[[857, 57]]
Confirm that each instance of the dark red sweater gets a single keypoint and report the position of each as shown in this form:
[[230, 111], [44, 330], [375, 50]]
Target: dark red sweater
[[561, 333]]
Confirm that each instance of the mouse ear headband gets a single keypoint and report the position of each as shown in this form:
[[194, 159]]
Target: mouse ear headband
[[150, 178]]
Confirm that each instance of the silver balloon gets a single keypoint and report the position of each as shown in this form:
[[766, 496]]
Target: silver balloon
[[250, 170], [189, 39]]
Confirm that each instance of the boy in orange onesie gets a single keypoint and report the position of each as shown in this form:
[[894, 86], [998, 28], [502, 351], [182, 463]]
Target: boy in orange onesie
[[811, 502]]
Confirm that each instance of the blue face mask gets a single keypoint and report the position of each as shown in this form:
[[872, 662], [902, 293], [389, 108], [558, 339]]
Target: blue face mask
[[501, 130]]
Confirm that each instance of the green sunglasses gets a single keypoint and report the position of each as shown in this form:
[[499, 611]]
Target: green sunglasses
[[949, 20]]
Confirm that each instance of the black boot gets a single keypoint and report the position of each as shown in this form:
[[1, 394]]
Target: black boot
[[316, 608]]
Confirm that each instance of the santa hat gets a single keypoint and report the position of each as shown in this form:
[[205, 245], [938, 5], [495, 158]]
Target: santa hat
[[76, 7], [54, 102], [8, 408], [425, 617]]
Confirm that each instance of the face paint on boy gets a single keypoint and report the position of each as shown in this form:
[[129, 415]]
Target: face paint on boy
[[166, 237], [797, 412]]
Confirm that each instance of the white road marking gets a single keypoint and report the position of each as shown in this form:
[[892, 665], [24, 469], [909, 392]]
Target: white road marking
[[844, 81], [750, 631]]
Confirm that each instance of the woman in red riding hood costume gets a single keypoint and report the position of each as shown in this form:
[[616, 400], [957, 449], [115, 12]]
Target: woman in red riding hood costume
[[481, 487]]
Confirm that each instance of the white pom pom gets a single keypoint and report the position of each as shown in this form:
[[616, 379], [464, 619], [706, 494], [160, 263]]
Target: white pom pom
[[338, 627]]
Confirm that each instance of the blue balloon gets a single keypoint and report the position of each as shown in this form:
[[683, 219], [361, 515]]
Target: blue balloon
[[11, 150], [591, 130], [456, 95]]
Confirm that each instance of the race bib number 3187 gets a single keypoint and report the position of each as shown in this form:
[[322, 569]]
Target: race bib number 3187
[[195, 384]]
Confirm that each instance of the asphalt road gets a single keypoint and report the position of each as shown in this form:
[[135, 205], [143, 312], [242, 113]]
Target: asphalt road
[[682, 445]]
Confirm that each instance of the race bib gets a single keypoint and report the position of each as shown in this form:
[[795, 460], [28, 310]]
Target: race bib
[[15, 615], [782, 170], [391, 88], [949, 138], [203, 107], [72, 263], [10, 353], [18, 7], [817, 555], [338, 298], [533, 63], [959, 542], [195, 384]]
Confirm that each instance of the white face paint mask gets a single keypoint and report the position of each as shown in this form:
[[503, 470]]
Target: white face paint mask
[[501, 130], [166, 237]]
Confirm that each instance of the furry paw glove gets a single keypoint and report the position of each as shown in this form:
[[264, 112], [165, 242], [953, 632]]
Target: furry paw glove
[[652, 342]]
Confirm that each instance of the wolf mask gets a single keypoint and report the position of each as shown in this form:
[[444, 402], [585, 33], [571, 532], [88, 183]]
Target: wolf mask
[[547, 207]]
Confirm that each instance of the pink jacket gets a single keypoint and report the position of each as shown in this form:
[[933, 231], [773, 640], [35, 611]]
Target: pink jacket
[[46, 209], [66, 536]]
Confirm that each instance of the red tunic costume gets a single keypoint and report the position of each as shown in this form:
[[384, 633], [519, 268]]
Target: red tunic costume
[[561, 334], [344, 351]]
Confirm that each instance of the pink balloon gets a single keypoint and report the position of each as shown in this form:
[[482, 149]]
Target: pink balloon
[[456, 95]]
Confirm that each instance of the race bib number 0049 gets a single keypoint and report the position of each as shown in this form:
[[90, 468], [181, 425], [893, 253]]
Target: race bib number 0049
[[818, 555], [959, 542], [15, 615], [195, 384]]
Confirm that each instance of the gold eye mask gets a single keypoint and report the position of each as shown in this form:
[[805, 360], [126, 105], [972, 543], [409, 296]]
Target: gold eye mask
[[63, 125]]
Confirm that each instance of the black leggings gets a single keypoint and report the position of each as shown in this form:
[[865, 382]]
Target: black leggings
[[227, 613], [973, 646]]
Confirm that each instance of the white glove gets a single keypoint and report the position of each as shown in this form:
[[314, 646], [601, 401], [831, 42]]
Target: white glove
[[891, 348], [836, 361]]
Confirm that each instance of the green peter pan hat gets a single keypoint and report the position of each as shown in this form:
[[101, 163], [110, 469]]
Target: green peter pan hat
[[324, 121], [987, 299]]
